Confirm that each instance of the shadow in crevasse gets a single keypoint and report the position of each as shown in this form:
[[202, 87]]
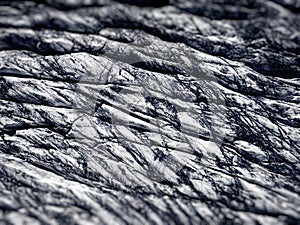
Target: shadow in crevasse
[[154, 3]]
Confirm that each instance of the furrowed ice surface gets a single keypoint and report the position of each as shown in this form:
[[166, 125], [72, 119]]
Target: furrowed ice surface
[[149, 112]]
